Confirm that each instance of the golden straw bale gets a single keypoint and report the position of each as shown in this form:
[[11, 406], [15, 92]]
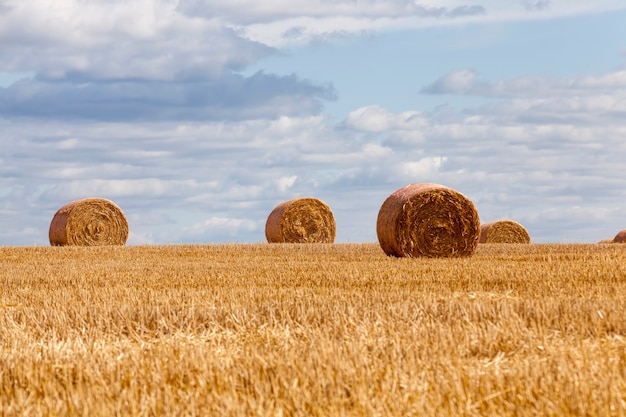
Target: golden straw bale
[[89, 222], [428, 220], [503, 231], [605, 241], [301, 220], [620, 237]]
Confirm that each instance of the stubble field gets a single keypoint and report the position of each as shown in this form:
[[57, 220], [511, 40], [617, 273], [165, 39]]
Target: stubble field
[[315, 329]]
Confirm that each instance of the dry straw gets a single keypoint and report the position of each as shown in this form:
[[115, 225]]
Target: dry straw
[[620, 237], [89, 222], [503, 231], [430, 220], [301, 220]]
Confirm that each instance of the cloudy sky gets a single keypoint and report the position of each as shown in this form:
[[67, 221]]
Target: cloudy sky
[[199, 117]]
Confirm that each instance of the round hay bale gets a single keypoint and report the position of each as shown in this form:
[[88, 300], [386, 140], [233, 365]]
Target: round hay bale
[[301, 220], [428, 220], [89, 222], [620, 237], [503, 231]]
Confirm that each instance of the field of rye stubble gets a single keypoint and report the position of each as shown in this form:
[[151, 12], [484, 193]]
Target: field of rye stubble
[[318, 329]]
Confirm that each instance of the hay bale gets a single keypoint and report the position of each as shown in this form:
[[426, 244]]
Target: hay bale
[[301, 220], [428, 220], [503, 231], [605, 241], [620, 237], [89, 222]]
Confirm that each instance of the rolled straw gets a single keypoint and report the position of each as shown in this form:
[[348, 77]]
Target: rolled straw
[[301, 220], [89, 222], [620, 237], [428, 220], [503, 231]]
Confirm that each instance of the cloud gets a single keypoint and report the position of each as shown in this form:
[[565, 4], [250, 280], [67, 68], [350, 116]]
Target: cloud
[[212, 181], [285, 183], [456, 82], [468, 82], [535, 4], [231, 96], [282, 23], [247, 11], [138, 60], [220, 229], [377, 119], [140, 39], [413, 171]]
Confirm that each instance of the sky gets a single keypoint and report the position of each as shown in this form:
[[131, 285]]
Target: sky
[[197, 118]]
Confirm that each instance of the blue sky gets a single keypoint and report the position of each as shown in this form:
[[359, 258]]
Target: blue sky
[[198, 118]]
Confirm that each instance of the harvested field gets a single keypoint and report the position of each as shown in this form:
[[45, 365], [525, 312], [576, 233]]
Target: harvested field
[[319, 329]]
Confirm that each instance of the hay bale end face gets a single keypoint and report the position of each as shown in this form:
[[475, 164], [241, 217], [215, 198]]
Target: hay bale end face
[[428, 220], [301, 220], [89, 222], [503, 231], [620, 237]]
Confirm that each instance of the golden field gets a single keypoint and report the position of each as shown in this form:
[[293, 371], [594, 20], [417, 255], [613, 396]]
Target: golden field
[[312, 330]]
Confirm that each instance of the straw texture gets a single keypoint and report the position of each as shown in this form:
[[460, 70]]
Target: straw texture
[[301, 220], [89, 222], [503, 231], [428, 220]]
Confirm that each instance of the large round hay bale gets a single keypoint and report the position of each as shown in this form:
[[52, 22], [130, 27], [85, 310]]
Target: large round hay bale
[[503, 231], [428, 220], [620, 237], [301, 220], [89, 222]]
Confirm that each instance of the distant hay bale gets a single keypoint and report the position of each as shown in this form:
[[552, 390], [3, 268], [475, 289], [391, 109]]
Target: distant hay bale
[[89, 222], [620, 237], [301, 220], [605, 241], [503, 231], [428, 220]]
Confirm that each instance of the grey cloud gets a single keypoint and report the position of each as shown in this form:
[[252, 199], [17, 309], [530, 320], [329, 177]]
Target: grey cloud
[[468, 82], [257, 12], [230, 97], [295, 32], [535, 4], [463, 11], [457, 82]]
